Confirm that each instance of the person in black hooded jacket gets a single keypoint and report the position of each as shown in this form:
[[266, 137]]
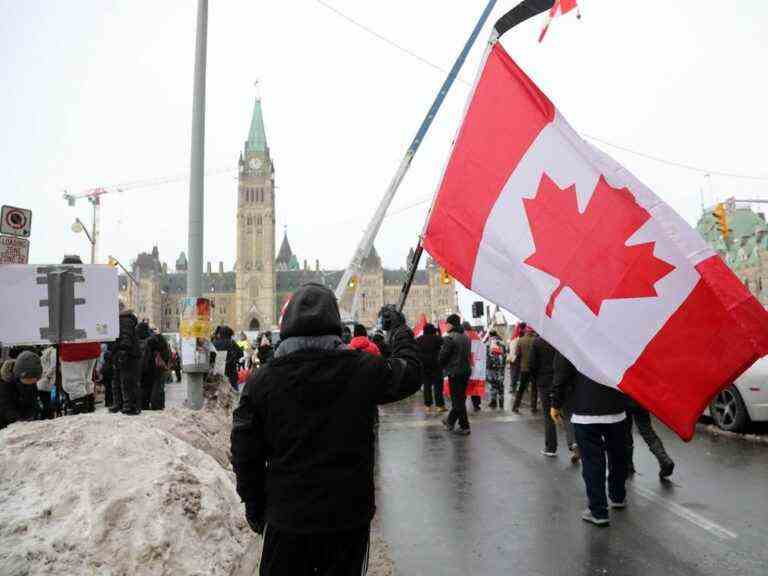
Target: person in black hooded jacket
[[303, 438], [127, 364], [225, 343], [430, 343]]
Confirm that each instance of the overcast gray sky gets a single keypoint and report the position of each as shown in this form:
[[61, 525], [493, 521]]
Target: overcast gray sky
[[98, 93]]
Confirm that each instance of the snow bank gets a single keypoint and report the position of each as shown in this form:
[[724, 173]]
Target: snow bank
[[116, 495]]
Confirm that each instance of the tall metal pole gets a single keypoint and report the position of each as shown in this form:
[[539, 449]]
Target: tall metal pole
[[364, 248], [196, 176], [194, 380]]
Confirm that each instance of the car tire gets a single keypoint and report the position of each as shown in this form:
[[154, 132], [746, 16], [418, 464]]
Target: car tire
[[728, 410]]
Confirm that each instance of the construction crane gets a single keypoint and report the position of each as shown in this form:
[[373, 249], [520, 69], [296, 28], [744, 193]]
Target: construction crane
[[94, 197]]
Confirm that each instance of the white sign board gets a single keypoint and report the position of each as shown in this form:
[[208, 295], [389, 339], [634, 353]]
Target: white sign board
[[15, 221], [14, 250], [39, 302]]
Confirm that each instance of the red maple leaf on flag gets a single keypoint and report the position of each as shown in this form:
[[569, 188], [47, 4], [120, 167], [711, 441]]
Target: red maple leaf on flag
[[588, 252]]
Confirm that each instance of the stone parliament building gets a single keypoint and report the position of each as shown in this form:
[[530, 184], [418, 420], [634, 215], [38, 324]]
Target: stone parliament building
[[250, 296]]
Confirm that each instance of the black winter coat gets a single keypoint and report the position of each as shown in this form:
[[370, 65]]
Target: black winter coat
[[303, 439], [127, 347], [456, 353], [588, 397], [234, 353], [542, 361], [429, 352], [17, 402]]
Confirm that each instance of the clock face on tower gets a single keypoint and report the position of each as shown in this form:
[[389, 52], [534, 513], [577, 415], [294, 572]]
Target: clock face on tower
[[254, 164]]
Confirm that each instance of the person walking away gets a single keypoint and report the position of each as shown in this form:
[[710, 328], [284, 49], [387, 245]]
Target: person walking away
[[475, 398], [18, 393], [642, 418], [225, 343], [496, 361], [430, 342], [302, 438], [156, 360], [361, 342], [127, 364], [599, 422], [513, 359], [524, 346], [542, 372], [47, 382], [455, 359]]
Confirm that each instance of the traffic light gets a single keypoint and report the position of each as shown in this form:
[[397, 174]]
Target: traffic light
[[352, 282], [721, 220], [445, 278], [112, 262]]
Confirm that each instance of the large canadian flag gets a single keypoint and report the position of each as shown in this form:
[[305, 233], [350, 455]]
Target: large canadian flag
[[533, 218]]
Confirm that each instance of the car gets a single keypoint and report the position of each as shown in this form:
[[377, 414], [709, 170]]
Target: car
[[746, 400]]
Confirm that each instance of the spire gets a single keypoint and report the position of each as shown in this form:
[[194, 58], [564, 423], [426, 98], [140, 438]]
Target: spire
[[285, 254], [257, 136]]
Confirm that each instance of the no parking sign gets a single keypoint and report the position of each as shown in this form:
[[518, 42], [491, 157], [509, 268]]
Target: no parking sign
[[16, 221]]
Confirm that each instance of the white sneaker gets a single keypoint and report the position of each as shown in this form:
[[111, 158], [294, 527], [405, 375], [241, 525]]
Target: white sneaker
[[612, 504], [588, 517], [548, 454]]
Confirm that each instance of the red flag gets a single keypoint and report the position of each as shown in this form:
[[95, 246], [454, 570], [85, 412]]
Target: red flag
[[559, 8], [418, 329], [568, 240]]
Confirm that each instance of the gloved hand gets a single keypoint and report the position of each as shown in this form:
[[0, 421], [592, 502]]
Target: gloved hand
[[554, 413], [255, 519], [391, 318]]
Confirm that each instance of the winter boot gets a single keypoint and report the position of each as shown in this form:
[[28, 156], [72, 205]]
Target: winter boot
[[492, 405], [666, 467]]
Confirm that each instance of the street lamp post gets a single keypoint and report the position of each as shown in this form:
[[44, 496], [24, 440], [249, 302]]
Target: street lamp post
[[78, 227], [194, 378]]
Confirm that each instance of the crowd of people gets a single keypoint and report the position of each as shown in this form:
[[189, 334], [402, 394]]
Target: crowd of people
[[306, 419]]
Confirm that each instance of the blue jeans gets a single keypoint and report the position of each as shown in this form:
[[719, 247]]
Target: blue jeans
[[596, 441]]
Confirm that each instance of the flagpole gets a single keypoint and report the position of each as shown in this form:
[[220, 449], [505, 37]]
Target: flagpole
[[419, 250], [364, 247]]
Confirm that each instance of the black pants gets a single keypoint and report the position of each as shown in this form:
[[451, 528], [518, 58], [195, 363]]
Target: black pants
[[125, 388], [458, 386], [642, 418], [433, 389], [333, 554], [596, 441], [525, 380], [106, 380], [47, 410]]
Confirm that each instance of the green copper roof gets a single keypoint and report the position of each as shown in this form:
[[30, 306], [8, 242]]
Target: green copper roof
[[257, 136]]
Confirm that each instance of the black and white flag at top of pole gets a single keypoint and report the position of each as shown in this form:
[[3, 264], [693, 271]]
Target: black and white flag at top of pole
[[520, 13]]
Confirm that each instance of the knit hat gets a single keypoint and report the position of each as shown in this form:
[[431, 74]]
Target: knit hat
[[454, 320], [28, 366]]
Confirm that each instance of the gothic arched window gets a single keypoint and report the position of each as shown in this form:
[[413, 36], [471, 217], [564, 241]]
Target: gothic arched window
[[259, 221]]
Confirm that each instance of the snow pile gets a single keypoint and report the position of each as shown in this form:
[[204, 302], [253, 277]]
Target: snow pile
[[106, 494], [118, 495]]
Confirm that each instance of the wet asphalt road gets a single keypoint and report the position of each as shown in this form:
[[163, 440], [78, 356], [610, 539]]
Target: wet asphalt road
[[490, 504]]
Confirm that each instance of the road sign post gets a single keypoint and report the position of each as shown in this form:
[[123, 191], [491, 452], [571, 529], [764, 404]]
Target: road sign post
[[14, 250], [16, 221]]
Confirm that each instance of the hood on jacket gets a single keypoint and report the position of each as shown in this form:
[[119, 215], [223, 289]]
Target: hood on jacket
[[312, 311]]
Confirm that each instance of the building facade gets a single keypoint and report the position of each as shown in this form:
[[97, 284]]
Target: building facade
[[745, 251], [250, 295]]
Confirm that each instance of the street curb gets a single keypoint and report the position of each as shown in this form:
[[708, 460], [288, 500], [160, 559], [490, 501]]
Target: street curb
[[716, 432]]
